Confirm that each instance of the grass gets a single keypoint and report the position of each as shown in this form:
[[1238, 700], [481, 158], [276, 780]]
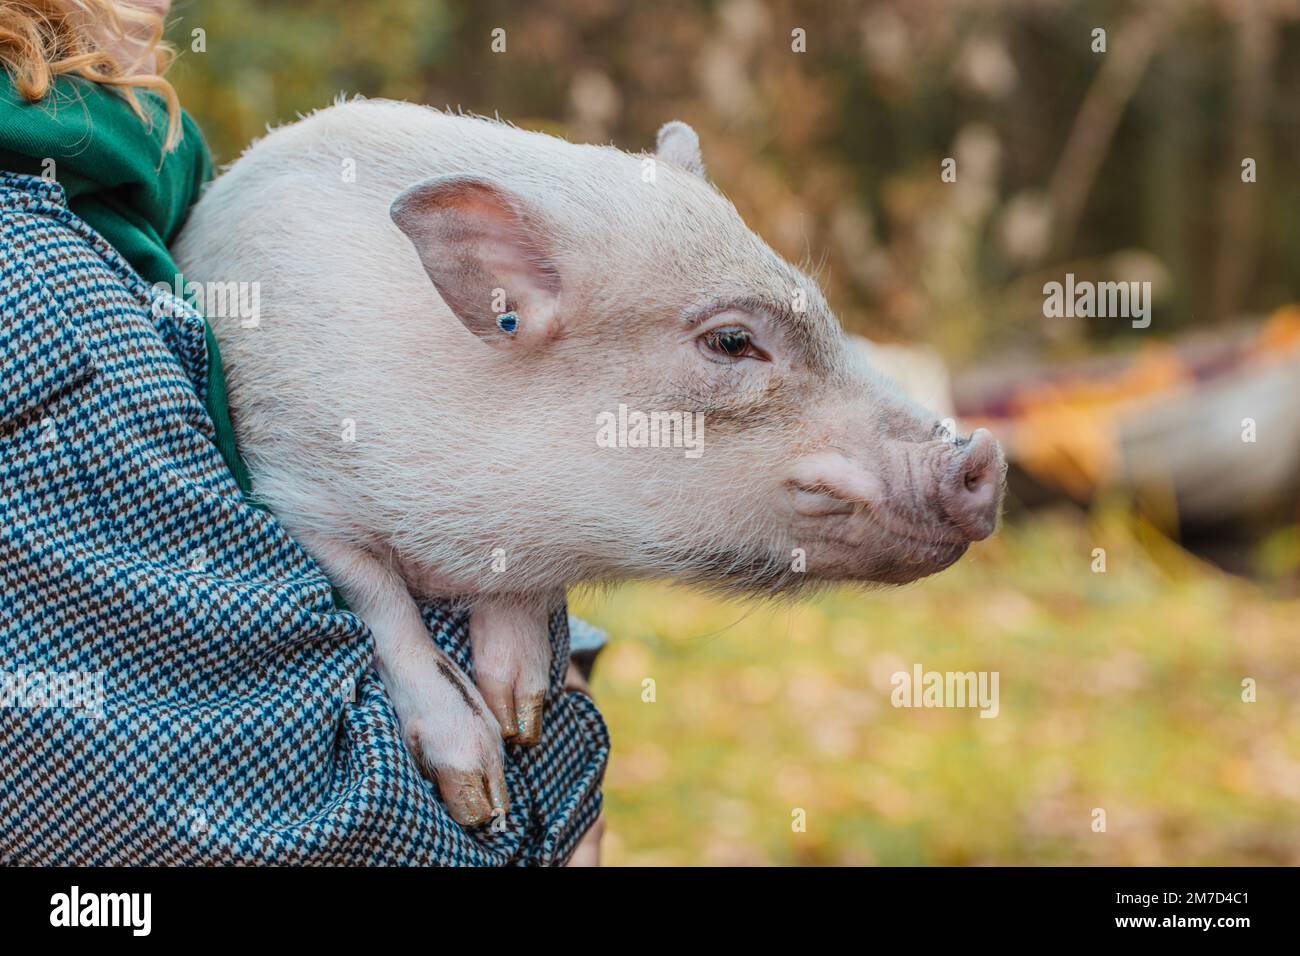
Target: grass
[[1119, 691]]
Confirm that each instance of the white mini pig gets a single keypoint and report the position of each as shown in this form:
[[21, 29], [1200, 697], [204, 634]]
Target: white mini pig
[[453, 310]]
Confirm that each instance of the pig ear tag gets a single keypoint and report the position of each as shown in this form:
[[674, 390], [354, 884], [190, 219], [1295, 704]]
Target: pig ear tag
[[508, 322]]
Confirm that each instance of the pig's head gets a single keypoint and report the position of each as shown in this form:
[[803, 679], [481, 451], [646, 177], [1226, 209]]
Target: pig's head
[[646, 295]]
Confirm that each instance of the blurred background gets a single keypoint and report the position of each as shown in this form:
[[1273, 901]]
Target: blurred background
[[1173, 450]]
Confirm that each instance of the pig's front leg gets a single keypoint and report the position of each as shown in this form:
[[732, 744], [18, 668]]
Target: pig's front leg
[[445, 722], [510, 637]]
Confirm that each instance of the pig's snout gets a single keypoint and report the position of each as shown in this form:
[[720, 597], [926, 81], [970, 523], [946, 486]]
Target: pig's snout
[[970, 493]]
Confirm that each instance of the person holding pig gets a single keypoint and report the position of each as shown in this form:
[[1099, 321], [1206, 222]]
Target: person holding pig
[[226, 710]]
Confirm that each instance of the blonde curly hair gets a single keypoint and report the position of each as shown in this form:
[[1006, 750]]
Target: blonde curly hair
[[117, 44]]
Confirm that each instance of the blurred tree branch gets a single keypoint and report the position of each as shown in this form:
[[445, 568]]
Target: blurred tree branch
[[1238, 240], [1128, 53]]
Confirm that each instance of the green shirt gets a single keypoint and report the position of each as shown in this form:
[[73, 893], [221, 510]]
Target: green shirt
[[118, 179]]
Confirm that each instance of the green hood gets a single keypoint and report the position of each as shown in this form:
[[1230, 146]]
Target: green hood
[[112, 166]]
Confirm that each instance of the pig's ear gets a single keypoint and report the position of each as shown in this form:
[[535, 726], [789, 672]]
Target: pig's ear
[[486, 255], [678, 144]]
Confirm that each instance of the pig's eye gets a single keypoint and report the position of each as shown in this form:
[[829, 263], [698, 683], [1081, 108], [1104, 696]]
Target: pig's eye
[[732, 343]]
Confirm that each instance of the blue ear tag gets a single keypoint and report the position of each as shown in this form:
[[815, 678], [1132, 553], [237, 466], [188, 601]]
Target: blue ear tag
[[508, 322]]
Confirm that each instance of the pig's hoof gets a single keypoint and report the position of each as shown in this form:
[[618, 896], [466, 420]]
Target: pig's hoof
[[529, 720], [472, 796], [468, 797], [518, 712], [512, 662]]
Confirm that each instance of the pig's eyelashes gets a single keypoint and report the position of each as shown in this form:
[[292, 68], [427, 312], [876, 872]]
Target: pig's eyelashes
[[732, 344]]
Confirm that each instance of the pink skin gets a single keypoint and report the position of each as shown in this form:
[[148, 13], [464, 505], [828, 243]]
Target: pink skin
[[654, 296], [878, 492]]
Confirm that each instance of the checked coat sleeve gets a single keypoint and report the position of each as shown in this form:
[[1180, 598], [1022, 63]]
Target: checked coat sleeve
[[236, 718]]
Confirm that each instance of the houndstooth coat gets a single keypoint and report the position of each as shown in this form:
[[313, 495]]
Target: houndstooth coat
[[176, 684]]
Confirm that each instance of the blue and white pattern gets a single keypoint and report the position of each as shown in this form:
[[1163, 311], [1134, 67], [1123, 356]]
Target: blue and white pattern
[[241, 720]]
